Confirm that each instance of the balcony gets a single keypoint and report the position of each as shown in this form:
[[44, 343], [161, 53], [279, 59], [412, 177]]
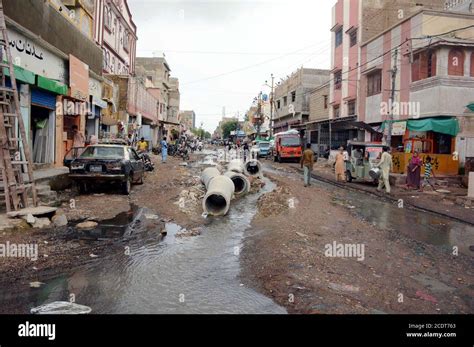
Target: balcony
[[442, 95]]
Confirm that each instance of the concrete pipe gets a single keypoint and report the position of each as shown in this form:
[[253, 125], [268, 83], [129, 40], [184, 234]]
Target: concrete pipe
[[208, 174], [241, 183], [216, 202], [253, 168], [236, 165]]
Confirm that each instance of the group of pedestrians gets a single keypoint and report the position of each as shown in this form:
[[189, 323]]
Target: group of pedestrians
[[385, 165]]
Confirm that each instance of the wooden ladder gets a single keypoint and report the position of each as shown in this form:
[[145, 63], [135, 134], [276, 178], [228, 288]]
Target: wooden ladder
[[15, 154]]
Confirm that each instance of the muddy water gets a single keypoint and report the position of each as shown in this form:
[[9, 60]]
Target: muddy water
[[417, 225], [167, 274]]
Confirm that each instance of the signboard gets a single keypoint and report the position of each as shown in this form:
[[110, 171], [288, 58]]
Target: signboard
[[95, 88], [399, 128], [78, 78], [31, 56]]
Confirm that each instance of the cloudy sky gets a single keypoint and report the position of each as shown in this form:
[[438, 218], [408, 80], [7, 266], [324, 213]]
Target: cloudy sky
[[223, 51]]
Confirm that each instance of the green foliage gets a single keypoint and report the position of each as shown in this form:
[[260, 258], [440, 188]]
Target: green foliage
[[228, 127]]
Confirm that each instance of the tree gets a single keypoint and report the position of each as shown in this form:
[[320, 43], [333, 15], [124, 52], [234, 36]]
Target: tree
[[229, 126]]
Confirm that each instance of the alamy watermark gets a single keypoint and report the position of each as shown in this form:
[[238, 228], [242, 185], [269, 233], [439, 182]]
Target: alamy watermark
[[345, 250], [411, 109], [20, 250]]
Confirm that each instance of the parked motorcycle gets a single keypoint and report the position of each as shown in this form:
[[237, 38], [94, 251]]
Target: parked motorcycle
[[184, 153]]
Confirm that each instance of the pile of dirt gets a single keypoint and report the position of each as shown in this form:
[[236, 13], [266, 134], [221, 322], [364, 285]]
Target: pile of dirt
[[255, 184], [274, 203], [190, 199]]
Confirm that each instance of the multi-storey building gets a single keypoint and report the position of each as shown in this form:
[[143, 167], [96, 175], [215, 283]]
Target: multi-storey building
[[187, 119], [157, 74], [433, 65], [291, 99], [54, 73], [116, 33]]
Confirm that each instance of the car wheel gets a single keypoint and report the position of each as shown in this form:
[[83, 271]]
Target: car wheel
[[127, 186], [275, 159], [348, 176]]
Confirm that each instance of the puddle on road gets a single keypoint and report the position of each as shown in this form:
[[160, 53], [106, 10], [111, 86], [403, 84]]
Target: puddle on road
[[418, 225], [168, 275]]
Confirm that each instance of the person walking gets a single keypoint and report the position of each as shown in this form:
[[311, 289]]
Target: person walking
[[307, 163], [164, 150], [385, 166], [429, 173], [340, 165]]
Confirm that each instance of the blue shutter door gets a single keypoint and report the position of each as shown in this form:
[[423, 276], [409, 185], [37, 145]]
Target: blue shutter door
[[43, 98]]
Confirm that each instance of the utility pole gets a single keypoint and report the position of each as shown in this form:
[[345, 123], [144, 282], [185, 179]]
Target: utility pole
[[259, 113], [392, 97], [271, 109]]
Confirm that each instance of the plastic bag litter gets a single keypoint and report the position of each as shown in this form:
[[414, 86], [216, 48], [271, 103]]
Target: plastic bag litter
[[61, 307]]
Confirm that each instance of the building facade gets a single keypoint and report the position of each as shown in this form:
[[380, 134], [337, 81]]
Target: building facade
[[434, 83], [116, 33], [291, 97]]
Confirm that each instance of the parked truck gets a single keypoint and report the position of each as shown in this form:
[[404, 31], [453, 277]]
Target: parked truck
[[287, 146]]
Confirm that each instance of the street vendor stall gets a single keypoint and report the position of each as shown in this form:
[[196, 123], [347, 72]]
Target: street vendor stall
[[433, 137]]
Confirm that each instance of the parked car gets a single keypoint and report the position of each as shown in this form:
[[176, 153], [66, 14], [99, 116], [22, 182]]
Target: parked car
[[114, 164]]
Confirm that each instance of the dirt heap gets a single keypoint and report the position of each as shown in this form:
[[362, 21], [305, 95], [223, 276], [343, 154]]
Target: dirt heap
[[274, 203]]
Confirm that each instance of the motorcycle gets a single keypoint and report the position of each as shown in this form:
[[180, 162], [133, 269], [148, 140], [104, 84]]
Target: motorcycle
[[183, 153], [149, 166]]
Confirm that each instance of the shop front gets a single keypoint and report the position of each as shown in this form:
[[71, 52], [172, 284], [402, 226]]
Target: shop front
[[41, 76], [430, 137]]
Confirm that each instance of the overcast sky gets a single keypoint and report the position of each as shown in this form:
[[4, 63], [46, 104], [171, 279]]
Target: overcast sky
[[223, 51]]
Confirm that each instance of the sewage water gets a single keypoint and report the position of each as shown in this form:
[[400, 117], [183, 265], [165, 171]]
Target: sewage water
[[414, 224], [165, 275]]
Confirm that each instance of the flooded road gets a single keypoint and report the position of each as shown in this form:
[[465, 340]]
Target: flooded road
[[157, 274]]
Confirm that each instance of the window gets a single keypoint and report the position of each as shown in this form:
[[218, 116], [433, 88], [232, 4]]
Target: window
[[293, 96], [337, 112], [325, 102], [107, 17], [338, 80], [351, 108], [353, 37], [285, 100], [126, 40], [338, 37], [423, 66], [374, 83], [456, 63], [278, 104]]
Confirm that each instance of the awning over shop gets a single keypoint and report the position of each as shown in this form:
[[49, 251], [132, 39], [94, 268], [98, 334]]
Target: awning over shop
[[52, 85], [21, 74], [443, 125]]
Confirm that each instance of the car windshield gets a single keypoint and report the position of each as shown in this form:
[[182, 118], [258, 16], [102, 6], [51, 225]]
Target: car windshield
[[263, 145], [290, 141], [103, 152]]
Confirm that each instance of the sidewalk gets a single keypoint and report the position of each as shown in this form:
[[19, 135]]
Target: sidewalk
[[450, 201]]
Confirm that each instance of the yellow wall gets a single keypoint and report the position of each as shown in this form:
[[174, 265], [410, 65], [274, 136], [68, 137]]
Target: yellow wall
[[443, 164]]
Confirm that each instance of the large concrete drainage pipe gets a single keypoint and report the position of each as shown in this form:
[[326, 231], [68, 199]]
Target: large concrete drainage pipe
[[208, 174], [216, 202], [236, 165], [241, 183], [253, 168]]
